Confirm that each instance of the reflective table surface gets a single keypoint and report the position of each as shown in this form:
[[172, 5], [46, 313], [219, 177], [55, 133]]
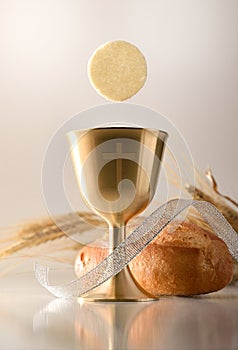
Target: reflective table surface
[[30, 318]]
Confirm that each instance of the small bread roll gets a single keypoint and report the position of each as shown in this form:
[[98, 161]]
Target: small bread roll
[[187, 261], [183, 260]]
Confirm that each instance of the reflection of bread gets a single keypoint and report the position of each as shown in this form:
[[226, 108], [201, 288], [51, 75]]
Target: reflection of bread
[[162, 325], [183, 260]]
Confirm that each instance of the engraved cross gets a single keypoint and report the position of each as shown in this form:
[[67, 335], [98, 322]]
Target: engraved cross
[[119, 153]]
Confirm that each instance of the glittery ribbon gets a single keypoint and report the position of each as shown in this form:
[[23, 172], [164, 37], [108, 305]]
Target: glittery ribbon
[[136, 242]]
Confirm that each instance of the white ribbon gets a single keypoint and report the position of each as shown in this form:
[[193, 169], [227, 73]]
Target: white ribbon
[[136, 242]]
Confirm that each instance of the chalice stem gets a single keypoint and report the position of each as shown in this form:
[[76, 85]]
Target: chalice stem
[[123, 286], [117, 234]]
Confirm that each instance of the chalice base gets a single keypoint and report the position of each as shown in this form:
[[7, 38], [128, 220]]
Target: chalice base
[[121, 287]]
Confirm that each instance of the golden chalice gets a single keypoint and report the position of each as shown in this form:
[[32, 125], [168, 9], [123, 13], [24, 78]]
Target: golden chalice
[[117, 171]]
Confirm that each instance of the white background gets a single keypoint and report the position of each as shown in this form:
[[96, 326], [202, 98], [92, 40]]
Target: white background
[[191, 48]]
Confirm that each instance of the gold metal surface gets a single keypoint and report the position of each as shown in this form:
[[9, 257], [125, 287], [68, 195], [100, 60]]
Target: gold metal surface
[[117, 170]]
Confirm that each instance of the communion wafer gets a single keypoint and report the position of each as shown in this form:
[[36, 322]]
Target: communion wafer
[[117, 70], [185, 261]]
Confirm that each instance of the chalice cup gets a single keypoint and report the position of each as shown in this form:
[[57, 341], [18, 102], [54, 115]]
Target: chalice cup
[[117, 171]]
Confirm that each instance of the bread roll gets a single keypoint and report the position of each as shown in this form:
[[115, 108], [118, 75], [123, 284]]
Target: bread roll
[[183, 260]]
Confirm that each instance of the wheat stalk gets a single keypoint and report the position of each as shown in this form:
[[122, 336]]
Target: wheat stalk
[[227, 206], [33, 233]]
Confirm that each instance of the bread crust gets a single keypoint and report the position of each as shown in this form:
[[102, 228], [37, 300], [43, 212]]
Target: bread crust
[[183, 260]]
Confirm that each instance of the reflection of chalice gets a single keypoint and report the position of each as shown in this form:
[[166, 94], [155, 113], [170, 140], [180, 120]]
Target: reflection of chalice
[[173, 323], [117, 170]]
